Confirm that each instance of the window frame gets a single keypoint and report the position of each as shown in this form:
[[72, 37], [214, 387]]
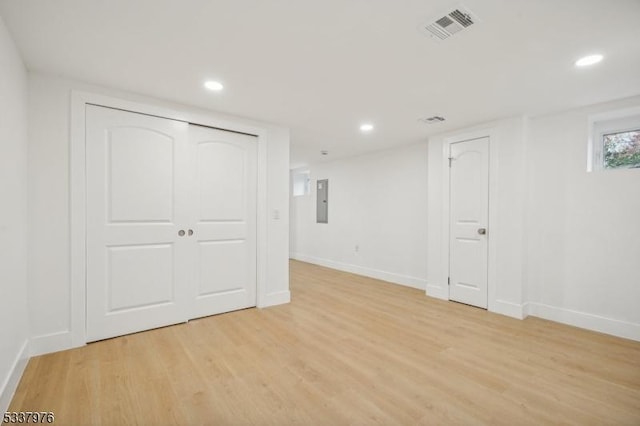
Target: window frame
[[607, 123]]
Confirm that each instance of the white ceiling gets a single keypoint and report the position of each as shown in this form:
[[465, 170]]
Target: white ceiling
[[323, 67]]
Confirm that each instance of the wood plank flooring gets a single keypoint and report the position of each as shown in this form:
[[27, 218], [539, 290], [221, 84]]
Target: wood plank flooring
[[347, 350]]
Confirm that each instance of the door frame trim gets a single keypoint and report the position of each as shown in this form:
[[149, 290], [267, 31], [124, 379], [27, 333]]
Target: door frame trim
[[492, 226], [77, 198]]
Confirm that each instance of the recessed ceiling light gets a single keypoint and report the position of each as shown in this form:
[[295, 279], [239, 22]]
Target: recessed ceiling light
[[588, 60], [324, 152], [367, 127], [216, 86]]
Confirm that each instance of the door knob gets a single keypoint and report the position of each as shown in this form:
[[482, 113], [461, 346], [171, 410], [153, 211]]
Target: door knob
[[181, 232], [482, 231]]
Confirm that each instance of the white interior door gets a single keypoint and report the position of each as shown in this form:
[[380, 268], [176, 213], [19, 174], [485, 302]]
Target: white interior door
[[136, 262], [469, 210], [224, 217]]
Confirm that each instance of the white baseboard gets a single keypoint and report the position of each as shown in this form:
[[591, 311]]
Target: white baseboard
[[10, 384], [510, 309], [279, 298], [392, 277], [437, 291], [627, 330], [48, 343]]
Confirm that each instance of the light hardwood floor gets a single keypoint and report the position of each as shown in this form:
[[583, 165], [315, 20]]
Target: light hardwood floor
[[347, 350]]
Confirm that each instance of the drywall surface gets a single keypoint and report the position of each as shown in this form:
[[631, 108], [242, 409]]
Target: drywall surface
[[14, 331], [49, 198], [563, 242], [583, 248], [377, 217]]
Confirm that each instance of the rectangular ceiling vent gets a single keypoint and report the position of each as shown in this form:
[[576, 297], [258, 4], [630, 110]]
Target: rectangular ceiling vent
[[443, 27], [431, 120]]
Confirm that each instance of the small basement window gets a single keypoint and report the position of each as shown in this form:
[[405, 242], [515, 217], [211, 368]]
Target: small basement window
[[301, 182], [622, 149], [615, 140]]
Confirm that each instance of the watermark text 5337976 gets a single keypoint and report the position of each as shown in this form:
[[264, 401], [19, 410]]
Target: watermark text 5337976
[[21, 417]]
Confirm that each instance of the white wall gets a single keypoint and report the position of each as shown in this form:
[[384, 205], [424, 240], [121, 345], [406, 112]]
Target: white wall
[[49, 214], [564, 242], [506, 214], [583, 248], [377, 202], [278, 220], [14, 329]]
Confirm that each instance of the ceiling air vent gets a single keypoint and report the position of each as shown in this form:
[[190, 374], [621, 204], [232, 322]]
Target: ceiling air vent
[[432, 120], [443, 27]]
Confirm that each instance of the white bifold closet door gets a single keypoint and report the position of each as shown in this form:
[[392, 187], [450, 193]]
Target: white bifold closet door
[[224, 217], [171, 222]]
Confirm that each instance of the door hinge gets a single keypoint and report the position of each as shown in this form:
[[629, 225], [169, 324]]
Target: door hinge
[[450, 160], [448, 280]]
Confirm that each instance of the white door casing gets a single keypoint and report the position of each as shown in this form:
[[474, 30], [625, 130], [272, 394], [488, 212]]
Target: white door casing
[[468, 221], [171, 221]]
